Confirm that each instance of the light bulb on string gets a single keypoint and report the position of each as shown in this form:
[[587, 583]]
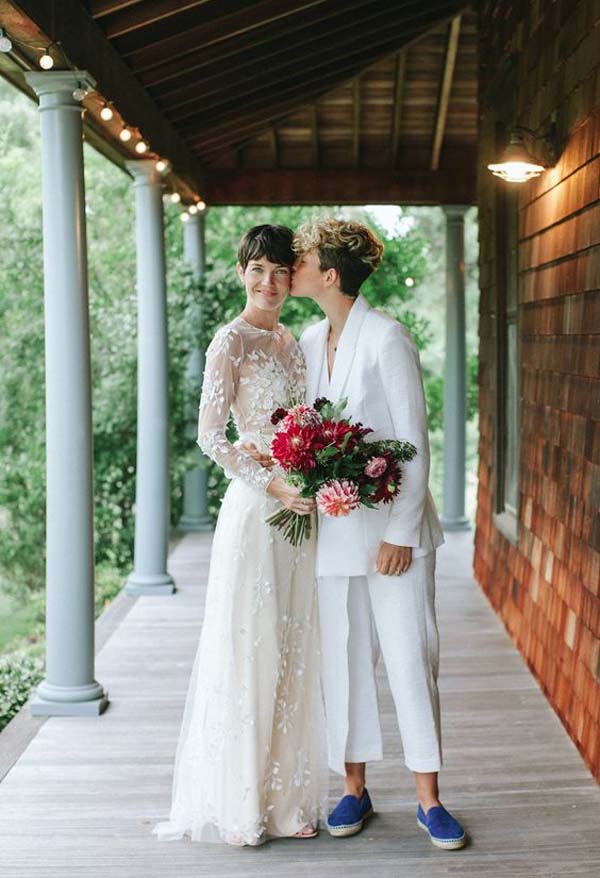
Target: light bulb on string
[[106, 113], [192, 209], [185, 217], [201, 205], [79, 93], [5, 41], [141, 146], [125, 134], [175, 197], [46, 60], [162, 165]]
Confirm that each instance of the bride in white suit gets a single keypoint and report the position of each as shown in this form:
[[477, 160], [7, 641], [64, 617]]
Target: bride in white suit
[[375, 567]]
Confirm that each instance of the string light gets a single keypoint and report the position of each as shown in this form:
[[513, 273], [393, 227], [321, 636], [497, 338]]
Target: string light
[[175, 197], [185, 217], [201, 205], [141, 146], [46, 60], [106, 113], [5, 41], [192, 209], [79, 93], [125, 134], [162, 165], [409, 281]]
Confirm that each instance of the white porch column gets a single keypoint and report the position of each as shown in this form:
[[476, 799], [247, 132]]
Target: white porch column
[[455, 384], [69, 687], [195, 487], [150, 575]]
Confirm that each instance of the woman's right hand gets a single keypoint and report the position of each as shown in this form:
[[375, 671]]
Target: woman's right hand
[[289, 496]]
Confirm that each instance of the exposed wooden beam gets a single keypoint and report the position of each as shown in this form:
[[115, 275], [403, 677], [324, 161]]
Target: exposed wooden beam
[[287, 59], [149, 12], [207, 139], [99, 8], [273, 80], [314, 135], [303, 83], [356, 122], [444, 93], [397, 105], [454, 186], [166, 39], [294, 32], [220, 30]]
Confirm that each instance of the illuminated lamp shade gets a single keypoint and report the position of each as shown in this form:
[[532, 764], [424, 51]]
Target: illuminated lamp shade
[[516, 165]]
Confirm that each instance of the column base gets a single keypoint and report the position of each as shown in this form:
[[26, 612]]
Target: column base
[[461, 523], [149, 583], [192, 523], [50, 706]]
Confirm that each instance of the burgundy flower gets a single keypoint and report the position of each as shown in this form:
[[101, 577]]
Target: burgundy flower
[[278, 415]]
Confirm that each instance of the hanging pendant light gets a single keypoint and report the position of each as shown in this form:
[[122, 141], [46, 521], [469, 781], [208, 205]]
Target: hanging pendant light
[[516, 164]]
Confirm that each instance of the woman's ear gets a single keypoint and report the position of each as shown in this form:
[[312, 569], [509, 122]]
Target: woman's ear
[[240, 272]]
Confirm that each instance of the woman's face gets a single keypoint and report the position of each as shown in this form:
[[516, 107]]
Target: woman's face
[[266, 283], [307, 277]]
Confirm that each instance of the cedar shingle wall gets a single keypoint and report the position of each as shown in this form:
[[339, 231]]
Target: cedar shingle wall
[[546, 588]]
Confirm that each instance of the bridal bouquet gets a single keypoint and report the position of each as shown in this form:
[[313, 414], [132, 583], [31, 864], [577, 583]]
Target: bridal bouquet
[[329, 458]]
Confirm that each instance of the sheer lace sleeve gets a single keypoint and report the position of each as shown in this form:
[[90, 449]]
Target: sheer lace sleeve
[[221, 374]]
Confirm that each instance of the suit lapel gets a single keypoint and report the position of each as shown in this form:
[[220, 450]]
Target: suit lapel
[[314, 360], [347, 347]]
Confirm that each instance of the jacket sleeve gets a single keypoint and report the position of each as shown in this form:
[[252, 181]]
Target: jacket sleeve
[[221, 375], [402, 384]]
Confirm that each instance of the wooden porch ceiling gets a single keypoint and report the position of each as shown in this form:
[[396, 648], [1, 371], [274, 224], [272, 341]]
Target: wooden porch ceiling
[[285, 100]]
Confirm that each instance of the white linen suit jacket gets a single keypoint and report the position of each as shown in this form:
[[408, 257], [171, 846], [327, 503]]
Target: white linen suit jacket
[[377, 368]]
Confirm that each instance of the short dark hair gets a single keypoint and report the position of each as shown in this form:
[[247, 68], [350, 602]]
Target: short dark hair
[[273, 242]]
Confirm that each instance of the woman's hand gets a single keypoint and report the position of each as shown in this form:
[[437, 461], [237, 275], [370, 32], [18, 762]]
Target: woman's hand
[[252, 451], [289, 496]]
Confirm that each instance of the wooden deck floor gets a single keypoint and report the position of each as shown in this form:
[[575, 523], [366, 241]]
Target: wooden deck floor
[[82, 797]]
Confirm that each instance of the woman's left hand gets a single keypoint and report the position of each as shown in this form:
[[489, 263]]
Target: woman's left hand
[[252, 451]]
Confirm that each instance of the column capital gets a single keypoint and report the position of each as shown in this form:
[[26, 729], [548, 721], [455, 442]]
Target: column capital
[[195, 219], [143, 171], [455, 211], [63, 82]]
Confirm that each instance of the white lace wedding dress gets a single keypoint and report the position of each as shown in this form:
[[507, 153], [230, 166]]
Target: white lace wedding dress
[[250, 762]]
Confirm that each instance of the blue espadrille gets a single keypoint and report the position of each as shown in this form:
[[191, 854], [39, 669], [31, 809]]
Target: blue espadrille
[[349, 815], [443, 829]]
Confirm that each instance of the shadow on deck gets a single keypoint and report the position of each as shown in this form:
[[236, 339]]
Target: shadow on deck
[[82, 796]]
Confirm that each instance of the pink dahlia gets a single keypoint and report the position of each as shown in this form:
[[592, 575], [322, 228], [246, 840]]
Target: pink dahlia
[[301, 415], [376, 467], [337, 498]]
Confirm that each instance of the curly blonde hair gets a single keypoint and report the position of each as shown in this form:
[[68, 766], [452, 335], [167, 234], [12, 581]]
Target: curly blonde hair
[[345, 245]]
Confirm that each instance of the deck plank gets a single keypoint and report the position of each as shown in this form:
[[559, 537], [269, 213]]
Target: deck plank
[[82, 797]]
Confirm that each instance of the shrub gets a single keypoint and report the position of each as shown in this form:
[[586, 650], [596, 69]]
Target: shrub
[[19, 673]]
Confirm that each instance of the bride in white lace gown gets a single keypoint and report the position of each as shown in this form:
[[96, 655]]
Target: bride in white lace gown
[[250, 761]]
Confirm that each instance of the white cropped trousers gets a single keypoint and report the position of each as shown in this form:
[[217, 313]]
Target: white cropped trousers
[[362, 617]]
